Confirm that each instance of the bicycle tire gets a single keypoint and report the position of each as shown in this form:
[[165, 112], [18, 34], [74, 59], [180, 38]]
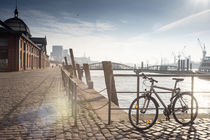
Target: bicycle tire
[[184, 118], [147, 123]]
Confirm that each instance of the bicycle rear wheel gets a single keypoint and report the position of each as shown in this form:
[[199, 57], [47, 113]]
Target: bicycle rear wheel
[[182, 108], [143, 112]]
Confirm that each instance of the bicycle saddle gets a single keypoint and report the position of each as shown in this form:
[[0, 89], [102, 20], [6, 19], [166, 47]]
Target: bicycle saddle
[[178, 79]]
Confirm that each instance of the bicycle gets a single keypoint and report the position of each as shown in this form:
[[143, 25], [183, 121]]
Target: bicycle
[[143, 111]]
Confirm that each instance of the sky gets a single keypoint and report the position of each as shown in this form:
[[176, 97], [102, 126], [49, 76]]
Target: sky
[[125, 31]]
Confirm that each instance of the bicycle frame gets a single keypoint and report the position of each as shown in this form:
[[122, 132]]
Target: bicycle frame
[[174, 91]]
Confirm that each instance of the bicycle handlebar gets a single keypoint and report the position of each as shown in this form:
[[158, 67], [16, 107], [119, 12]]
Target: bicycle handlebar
[[150, 78]]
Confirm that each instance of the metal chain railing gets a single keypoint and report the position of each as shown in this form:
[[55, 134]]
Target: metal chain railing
[[71, 88], [85, 100], [84, 90], [82, 104]]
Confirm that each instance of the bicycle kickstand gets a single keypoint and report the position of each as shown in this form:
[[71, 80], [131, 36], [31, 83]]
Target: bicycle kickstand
[[167, 118]]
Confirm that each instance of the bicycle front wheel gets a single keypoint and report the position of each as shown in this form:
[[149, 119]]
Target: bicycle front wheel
[[143, 112], [183, 111]]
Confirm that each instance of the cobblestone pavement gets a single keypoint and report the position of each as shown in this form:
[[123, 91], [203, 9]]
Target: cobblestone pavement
[[33, 105]]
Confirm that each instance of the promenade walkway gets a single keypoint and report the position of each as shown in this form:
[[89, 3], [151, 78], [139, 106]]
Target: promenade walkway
[[34, 105]]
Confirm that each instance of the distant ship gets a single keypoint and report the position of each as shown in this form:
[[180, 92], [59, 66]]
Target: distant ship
[[204, 67]]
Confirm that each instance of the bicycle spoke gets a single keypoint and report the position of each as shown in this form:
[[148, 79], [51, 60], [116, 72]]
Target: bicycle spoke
[[143, 113], [182, 109]]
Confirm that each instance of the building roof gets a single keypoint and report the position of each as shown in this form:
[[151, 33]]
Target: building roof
[[4, 28], [18, 25], [40, 42]]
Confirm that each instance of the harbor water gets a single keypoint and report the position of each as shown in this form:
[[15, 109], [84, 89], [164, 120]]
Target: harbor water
[[130, 84]]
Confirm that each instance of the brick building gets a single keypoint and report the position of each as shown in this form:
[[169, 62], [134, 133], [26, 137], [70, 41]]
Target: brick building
[[18, 49]]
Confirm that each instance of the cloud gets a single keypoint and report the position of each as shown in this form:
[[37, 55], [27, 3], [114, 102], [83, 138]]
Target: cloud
[[70, 32], [103, 26], [182, 21], [67, 25], [67, 30], [123, 21], [92, 38]]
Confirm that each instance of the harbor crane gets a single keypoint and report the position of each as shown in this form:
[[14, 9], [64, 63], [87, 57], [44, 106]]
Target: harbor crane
[[203, 48], [183, 52], [175, 57]]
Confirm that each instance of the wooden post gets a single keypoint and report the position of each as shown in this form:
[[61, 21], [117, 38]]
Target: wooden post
[[109, 80], [181, 62], [179, 65], [110, 86], [73, 62], [87, 72], [79, 71], [70, 70], [87, 75], [183, 65], [66, 62], [188, 64], [142, 65]]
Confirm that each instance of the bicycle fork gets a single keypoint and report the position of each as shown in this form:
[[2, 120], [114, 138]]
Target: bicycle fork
[[145, 105]]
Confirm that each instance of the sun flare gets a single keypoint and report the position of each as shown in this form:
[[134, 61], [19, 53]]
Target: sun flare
[[202, 98], [202, 2]]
